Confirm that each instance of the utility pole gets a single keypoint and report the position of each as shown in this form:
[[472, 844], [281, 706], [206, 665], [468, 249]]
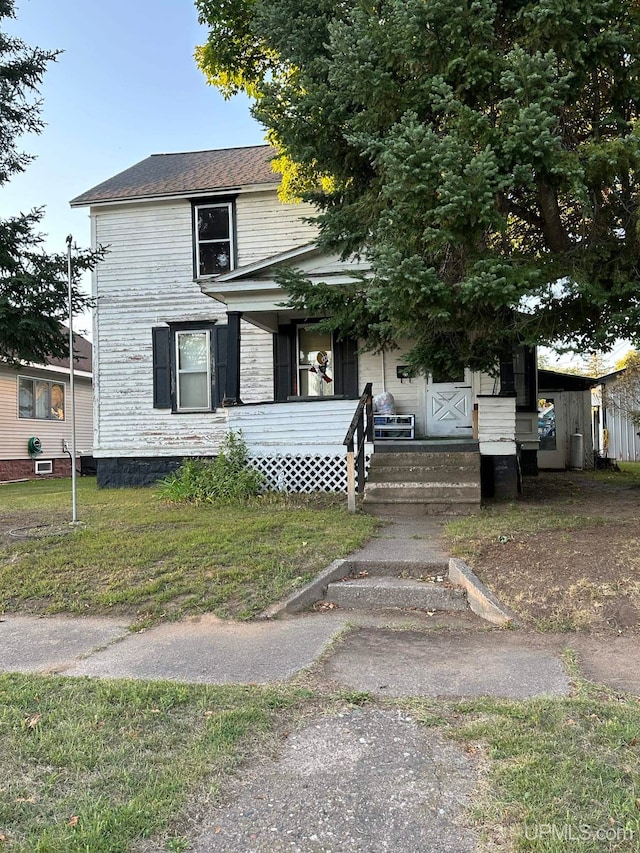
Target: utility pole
[[72, 390]]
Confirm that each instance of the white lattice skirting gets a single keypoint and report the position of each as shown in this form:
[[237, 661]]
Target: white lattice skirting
[[290, 473]]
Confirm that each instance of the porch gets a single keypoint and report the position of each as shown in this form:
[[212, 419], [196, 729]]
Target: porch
[[325, 444]]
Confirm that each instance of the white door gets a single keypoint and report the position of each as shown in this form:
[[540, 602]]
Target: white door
[[552, 432], [449, 406]]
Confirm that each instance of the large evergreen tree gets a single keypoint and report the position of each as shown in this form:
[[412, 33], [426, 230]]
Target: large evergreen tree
[[33, 283], [483, 153]]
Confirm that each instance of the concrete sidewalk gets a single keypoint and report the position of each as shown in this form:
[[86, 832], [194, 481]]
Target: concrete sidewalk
[[388, 653], [440, 656], [363, 779]]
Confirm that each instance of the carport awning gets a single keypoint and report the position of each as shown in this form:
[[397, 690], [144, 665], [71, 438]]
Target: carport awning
[[551, 380]]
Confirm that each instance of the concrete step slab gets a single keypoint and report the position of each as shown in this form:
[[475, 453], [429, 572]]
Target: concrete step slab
[[398, 568], [393, 592], [425, 445], [412, 492], [424, 474], [417, 510], [410, 457]]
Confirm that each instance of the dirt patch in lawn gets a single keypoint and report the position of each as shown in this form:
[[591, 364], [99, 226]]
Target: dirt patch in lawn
[[584, 575]]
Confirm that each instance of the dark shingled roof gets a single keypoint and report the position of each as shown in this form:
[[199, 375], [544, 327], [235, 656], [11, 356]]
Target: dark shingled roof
[[186, 173], [83, 352]]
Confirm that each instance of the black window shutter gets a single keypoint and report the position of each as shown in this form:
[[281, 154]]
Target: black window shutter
[[283, 361], [346, 367], [219, 374], [161, 367]]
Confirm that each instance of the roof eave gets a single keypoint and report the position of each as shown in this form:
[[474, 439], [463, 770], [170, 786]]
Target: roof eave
[[188, 194]]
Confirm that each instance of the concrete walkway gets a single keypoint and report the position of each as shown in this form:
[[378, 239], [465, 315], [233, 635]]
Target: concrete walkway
[[416, 655], [365, 779], [392, 654]]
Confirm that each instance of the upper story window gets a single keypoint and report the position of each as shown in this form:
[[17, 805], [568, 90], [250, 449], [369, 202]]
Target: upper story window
[[214, 238], [40, 399]]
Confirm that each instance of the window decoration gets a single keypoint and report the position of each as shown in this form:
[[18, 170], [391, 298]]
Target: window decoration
[[315, 363], [40, 399]]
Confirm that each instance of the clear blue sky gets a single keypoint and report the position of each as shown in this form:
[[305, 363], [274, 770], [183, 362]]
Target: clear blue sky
[[125, 87]]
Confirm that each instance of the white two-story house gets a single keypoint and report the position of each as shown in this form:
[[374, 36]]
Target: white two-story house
[[192, 336]]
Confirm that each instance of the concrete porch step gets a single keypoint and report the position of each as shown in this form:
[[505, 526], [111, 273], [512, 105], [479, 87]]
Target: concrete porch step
[[403, 568], [387, 458], [429, 445], [427, 492], [423, 474], [385, 509], [446, 481], [384, 593]]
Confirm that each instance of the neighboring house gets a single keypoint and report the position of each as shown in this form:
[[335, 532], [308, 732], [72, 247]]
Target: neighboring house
[[565, 420], [192, 338], [35, 404], [615, 435]]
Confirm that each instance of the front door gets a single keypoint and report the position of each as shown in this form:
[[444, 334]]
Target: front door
[[449, 406]]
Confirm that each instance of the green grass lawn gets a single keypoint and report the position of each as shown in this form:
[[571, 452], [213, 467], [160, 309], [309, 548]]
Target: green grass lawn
[[98, 766], [92, 765], [136, 555], [563, 774]]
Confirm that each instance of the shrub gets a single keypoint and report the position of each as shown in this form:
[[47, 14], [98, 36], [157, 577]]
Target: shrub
[[226, 479]]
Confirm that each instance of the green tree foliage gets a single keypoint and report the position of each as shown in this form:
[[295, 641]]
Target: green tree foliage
[[623, 394], [484, 155], [33, 284]]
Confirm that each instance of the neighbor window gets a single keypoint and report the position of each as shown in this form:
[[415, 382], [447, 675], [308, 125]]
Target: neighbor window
[[40, 399], [214, 249], [193, 370]]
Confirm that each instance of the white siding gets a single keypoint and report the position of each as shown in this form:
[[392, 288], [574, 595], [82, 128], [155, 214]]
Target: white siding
[[147, 280], [15, 432], [408, 394], [486, 384], [497, 425], [624, 442], [266, 226], [316, 427], [256, 364]]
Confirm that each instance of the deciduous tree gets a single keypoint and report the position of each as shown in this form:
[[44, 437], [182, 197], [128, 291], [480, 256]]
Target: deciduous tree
[[623, 394], [484, 155]]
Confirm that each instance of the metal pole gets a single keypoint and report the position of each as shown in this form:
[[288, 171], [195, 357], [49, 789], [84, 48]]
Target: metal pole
[[72, 390]]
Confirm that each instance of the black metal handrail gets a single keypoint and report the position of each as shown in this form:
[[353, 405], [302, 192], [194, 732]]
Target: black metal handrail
[[360, 431]]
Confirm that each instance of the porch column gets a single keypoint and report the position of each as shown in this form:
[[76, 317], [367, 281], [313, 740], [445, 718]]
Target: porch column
[[498, 451], [232, 389]]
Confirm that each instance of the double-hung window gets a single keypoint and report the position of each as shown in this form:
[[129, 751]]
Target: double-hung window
[[214, 239], [193, 370], [189, 366]]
